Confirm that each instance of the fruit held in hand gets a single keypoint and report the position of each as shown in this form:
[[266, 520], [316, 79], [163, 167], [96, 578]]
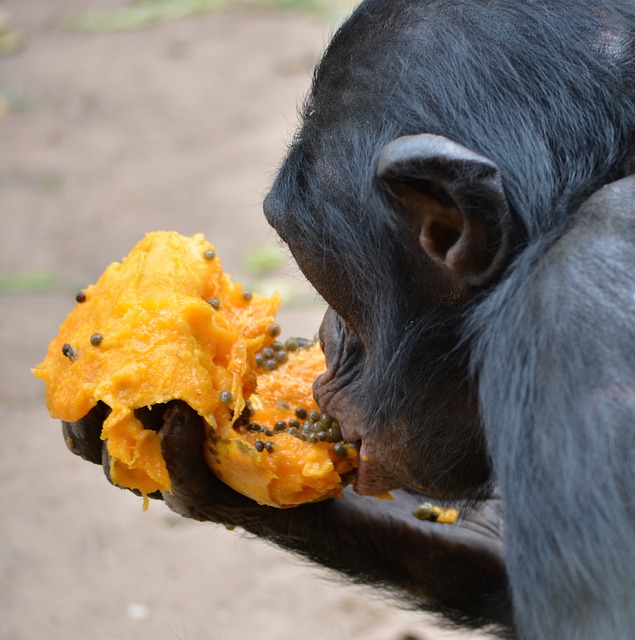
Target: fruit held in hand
[[168, 324]]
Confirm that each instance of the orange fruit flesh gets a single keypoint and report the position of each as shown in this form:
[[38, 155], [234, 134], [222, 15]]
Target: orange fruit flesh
[[290, 469], [172, 325]]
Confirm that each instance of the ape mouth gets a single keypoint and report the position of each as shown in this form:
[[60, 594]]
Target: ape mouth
[[329, 407], [368, 478], [327, 401]]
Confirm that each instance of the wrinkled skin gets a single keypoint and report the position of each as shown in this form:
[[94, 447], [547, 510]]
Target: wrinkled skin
[[388, 459]]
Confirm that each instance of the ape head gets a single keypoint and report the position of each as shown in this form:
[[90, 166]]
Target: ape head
[[438, 140]]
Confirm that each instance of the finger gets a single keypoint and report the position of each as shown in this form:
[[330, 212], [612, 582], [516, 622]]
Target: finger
[[83, 437], [194, 487], [473, 544], [469, 553], [196, 492], [182, 440]]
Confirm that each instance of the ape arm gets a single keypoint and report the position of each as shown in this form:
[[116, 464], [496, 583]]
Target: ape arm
[[455, 570], [556, 371]]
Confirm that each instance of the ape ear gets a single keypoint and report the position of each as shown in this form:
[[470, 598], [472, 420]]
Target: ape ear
[[457, 203]]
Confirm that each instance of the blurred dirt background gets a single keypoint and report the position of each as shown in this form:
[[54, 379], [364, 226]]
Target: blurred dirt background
[[165, 114]]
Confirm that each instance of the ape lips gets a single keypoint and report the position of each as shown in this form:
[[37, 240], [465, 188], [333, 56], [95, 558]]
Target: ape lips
[[167, 324]]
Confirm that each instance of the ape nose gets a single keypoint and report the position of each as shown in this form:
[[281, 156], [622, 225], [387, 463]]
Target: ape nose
[[328, 333], [272, 208]]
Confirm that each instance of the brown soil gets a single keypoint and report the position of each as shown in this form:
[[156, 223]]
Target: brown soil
[[104, 136]]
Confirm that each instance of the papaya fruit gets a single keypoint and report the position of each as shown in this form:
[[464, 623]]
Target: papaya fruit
[[435, 513], [167, 324]]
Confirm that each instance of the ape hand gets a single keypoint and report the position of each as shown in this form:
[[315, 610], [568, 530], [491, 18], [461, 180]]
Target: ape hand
[[196, 493], [457, 570]]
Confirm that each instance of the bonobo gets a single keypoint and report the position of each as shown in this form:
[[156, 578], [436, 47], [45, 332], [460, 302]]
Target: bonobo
[[459, 194]]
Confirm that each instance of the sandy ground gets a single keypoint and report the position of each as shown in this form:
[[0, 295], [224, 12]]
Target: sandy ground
[[104, 136]]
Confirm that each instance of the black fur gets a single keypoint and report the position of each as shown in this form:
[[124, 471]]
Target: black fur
[[545, 89], [557, 362]]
